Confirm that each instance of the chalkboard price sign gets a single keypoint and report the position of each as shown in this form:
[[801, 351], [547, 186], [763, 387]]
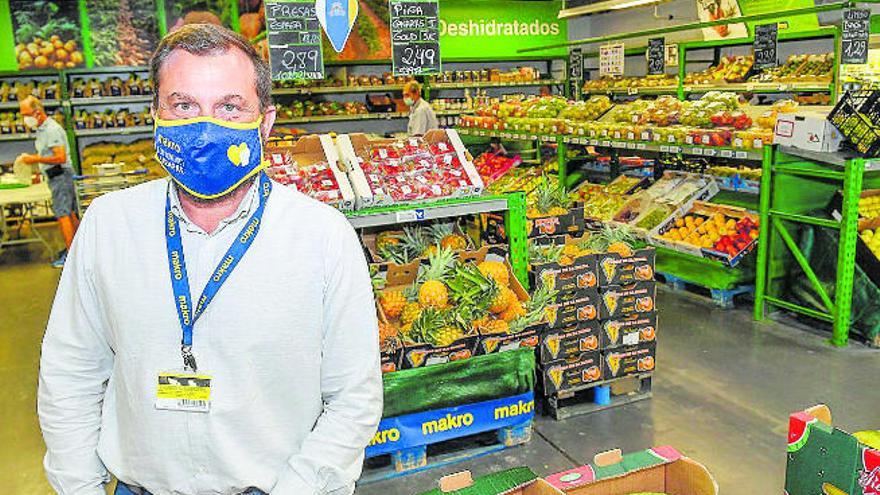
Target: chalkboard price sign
[[656, 56], [766, 36], [415, 37], [294, 34], [854, 36]]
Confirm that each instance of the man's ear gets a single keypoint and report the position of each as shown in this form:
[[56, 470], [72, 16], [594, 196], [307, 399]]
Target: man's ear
[[268, 122]]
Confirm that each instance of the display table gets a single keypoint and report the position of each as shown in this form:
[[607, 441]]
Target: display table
[[19, 229]]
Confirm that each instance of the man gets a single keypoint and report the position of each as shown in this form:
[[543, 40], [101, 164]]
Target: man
[[54, 160], [269, 381], [421, 115]]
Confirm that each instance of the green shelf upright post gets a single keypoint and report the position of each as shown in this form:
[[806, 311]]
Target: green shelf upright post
[[562, 158], [846, 250], [682, 69], [86, 34], [515, 225], [763, 233]]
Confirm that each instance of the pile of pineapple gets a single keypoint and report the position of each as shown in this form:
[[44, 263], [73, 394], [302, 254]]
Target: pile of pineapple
[[547, 199], [607, 240], [418, 242], [451, 299]]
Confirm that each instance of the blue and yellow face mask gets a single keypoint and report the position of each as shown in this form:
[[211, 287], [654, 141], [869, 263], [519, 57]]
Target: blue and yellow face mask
[[208, 157]]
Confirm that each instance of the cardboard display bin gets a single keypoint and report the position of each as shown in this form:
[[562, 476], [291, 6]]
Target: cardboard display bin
[[516, 481], [656, 470]]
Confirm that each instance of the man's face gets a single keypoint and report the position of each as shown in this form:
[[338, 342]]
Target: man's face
[[220, 86], [27, 109]]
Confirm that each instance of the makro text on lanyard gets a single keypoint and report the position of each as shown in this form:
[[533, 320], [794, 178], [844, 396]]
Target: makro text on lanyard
[[180, 280]]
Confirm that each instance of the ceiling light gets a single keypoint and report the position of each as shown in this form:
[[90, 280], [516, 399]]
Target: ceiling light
[[605, 6]]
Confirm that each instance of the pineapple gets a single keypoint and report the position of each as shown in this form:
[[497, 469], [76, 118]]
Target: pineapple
[[536, 309], [514, 311], [416, 242], [496, 327], [612, 240], [385, 240], [433, 292], [446, 336], [443, 235], [392, 302], [502, 301], [495, 270], [411, 311], [435, 327], [550, 199], [387, 331]]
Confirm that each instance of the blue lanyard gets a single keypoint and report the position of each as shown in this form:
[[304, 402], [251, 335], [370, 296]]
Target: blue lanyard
[[180, 280]]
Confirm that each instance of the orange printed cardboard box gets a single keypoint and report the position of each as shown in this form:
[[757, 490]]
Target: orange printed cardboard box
[[567, 374]]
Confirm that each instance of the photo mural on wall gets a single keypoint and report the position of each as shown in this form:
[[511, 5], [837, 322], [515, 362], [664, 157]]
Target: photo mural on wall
[[181, 12], [370, 38], [123, 32], [47, 34]]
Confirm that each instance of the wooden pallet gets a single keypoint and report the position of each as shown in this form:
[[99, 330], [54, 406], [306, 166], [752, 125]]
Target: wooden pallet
[[424, 457], [723, 298], [580, 401]]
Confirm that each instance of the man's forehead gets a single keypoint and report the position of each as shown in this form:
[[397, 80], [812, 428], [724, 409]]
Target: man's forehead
[[231, 67]]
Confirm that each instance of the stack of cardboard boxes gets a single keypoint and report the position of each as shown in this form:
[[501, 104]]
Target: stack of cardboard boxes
[[603, 325]]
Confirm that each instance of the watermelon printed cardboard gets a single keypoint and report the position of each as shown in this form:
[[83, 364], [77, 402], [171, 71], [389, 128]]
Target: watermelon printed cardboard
[[827, 460], [516, 481], [624, 300], [571, 373], [567, 342], [656, 470], [630, 330], [630, 360], [614, 269]]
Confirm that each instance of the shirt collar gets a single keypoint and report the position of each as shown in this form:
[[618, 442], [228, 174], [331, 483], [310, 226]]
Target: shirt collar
[[247, 205]]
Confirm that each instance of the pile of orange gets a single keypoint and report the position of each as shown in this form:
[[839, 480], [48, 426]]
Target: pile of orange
[[53, 53]]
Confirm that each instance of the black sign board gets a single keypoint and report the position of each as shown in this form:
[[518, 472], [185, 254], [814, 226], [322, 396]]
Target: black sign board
[[415, 37], [656, 56], [765, 45], [575, 72], [294, 35], [854, 38]]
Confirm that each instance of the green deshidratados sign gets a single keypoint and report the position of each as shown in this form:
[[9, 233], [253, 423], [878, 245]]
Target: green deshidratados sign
[[496, 29]]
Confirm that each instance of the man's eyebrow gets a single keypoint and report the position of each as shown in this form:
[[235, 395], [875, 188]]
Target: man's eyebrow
[[232, 98], [181, 96]]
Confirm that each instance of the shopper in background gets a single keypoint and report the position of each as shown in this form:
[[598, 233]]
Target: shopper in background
[[269, 382], [421, 115], [54, 161]]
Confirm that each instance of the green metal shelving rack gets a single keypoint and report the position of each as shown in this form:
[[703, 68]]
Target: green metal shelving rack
[[795, 182]]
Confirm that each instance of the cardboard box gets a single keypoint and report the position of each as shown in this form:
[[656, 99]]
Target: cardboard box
[[631, 330], [631, 360], [821, 457], [353, 150], [808, 131], [614, 269], [624, 300], [571, 222], [516, 481], [866, 258], [391, 357], [287, 158], [706, 211], [564, 375], [575, 308], [567, 342], [491, 343], [657, 470], [574, 274]]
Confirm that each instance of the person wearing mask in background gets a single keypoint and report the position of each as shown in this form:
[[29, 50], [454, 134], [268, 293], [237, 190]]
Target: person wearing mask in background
[[54, 161], [421, 115], [267, 382]]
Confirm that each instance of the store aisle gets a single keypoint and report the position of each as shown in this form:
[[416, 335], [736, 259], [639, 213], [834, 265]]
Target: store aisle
[[723, 391]]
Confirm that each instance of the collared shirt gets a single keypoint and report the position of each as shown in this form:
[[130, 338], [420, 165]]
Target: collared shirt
[[291, 341], [49, 135], [421, 118]]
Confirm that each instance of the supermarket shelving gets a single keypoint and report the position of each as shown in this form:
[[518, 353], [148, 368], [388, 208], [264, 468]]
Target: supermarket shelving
[[496, 84], [16, 137], [13, 105], [793, 185], [114, 131], [315, 119], [110, 100], [337, 89]]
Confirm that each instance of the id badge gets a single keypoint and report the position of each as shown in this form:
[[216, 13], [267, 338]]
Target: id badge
[[183, 391]]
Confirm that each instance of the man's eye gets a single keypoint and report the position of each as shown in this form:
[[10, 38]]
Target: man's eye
[[183, 106], [229, 107]]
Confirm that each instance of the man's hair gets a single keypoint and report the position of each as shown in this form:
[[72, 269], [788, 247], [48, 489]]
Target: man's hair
[[33, 102], [412, 87], [209, 39]]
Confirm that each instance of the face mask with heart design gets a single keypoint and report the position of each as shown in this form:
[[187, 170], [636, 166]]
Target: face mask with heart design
[[208, 157]]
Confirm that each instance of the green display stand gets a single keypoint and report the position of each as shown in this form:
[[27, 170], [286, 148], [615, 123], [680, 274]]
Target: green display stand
[[467, 381], [704, 272]]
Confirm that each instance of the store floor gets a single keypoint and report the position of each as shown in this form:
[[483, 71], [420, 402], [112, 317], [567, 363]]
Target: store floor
[[722, 394]]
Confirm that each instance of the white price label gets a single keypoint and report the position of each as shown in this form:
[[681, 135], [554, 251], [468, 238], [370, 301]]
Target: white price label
[[726, 153], [606, 143], [631, 136], [406, 216], [631, 146], [710, 152], [697, 151], [641, 146], [618, 144], [630, 338], [646, 136], [594, 142], [664, 149], [741, 154]]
